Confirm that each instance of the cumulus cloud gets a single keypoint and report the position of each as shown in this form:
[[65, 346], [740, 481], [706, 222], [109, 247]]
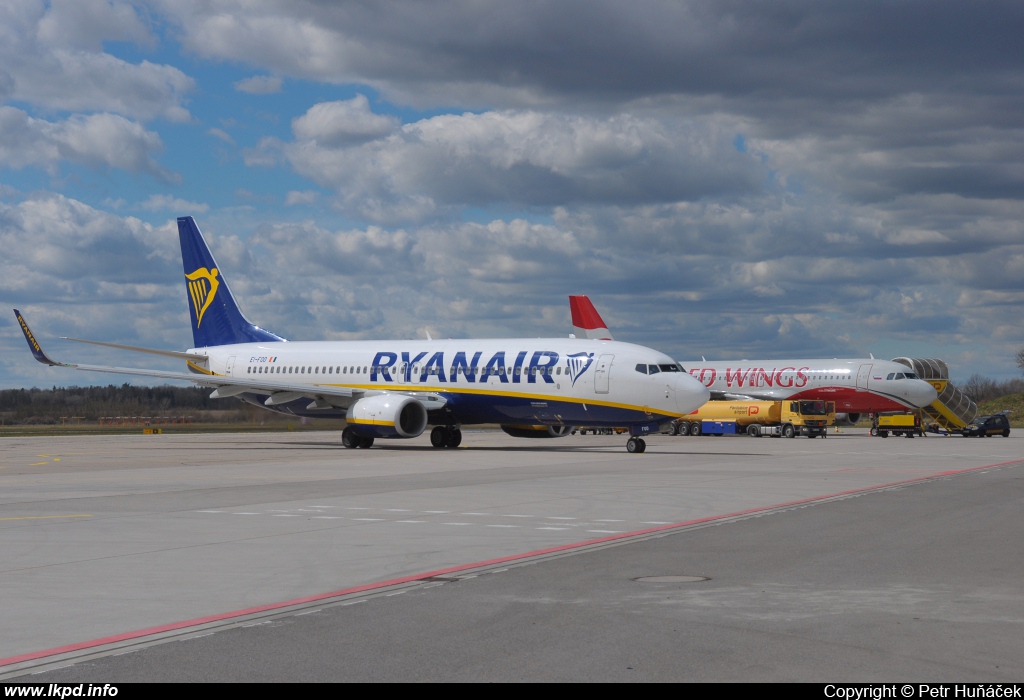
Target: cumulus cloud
[[260, 85], [166, 202], [52, 57], [97, 140], [295, 197], [526, 158], [342, 123], [221, 134]]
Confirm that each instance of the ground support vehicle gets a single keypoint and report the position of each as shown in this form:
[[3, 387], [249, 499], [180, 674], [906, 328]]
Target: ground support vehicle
[[906, 424], [759, 418], [987, 426]]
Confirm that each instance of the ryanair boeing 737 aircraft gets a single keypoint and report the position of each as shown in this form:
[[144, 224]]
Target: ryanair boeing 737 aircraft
[[396, 388]]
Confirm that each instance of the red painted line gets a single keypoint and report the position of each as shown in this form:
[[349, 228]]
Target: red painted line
[[195, 622]]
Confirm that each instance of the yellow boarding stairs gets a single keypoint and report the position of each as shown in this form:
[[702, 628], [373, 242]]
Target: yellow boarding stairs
[[953, 409]]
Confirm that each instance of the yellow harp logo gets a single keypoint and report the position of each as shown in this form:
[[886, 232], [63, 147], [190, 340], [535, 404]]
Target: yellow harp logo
[[202, 287]]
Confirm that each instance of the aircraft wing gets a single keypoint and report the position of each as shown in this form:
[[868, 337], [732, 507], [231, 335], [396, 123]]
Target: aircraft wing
[[322, 395]]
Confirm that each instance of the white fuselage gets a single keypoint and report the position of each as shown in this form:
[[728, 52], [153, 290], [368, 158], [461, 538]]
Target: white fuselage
[[542, 381], [856, 385]]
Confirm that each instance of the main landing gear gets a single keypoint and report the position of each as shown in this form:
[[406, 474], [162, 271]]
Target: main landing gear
[[445, 436], [635, 445], [350, 440]]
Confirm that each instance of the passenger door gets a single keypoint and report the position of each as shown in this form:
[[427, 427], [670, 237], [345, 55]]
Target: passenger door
[[601, 374]]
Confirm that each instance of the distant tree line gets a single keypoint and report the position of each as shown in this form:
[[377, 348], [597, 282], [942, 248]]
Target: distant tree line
[[982, 389], [90, 403]]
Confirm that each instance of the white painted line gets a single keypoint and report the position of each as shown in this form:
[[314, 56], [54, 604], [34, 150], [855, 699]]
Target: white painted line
[[552, 528], [498, 571], [309, 612], [357, 602], [456, 523], [355, 508], [654, 522], [510, 515], [370, 520], [474, 513], [286, 515], [609, 521], [607, 532], [320, 506], [433, 585], [504, 526], [557, 517], [60, 667], [326, 517], [204, 511], [196, 636], [246, 513], [397, 510], [437, 512], [411, 521], [391, 595]]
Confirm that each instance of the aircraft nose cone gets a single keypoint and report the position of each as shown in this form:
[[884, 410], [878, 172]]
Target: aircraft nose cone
[[923, 394], [690, 394]]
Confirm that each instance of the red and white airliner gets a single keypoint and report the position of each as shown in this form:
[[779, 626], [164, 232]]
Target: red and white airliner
[[857, 385]]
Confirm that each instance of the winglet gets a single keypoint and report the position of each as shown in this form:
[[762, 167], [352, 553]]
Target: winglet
[[33, 344], [586, 322]]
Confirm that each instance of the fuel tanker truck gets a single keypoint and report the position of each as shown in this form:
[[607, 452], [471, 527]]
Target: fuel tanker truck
[[759, 418]]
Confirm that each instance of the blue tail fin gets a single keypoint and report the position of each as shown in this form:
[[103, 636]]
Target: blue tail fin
[[216, 319]]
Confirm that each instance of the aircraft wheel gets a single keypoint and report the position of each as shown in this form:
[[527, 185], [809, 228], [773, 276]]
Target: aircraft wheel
[[437, 437], [366, 443], [453, 438], [349, 439], [633, 445], [643, 445], [695, 429], [788, 431]]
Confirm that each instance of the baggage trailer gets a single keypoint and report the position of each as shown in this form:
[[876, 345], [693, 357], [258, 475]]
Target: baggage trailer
[[760, 418]]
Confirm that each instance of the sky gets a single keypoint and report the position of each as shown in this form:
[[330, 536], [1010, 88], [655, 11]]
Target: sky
[[724, 179]]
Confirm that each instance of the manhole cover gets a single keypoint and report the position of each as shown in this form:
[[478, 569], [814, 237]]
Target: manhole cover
[[671, 579]]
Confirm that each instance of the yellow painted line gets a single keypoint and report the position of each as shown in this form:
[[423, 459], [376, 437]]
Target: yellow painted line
[[49, 517], [39, 464]]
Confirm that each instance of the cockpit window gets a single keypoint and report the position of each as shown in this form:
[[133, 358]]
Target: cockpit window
[[642, 369], [892, 375], [669, 368], [911, 375], [652, 369], [899, 375]]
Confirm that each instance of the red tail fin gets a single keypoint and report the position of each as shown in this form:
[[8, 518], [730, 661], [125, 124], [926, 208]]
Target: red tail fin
[[586, 322]]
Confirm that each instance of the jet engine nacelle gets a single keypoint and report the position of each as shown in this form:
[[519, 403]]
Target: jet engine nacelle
[[847, 418], [537, 431], [387, 416]]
